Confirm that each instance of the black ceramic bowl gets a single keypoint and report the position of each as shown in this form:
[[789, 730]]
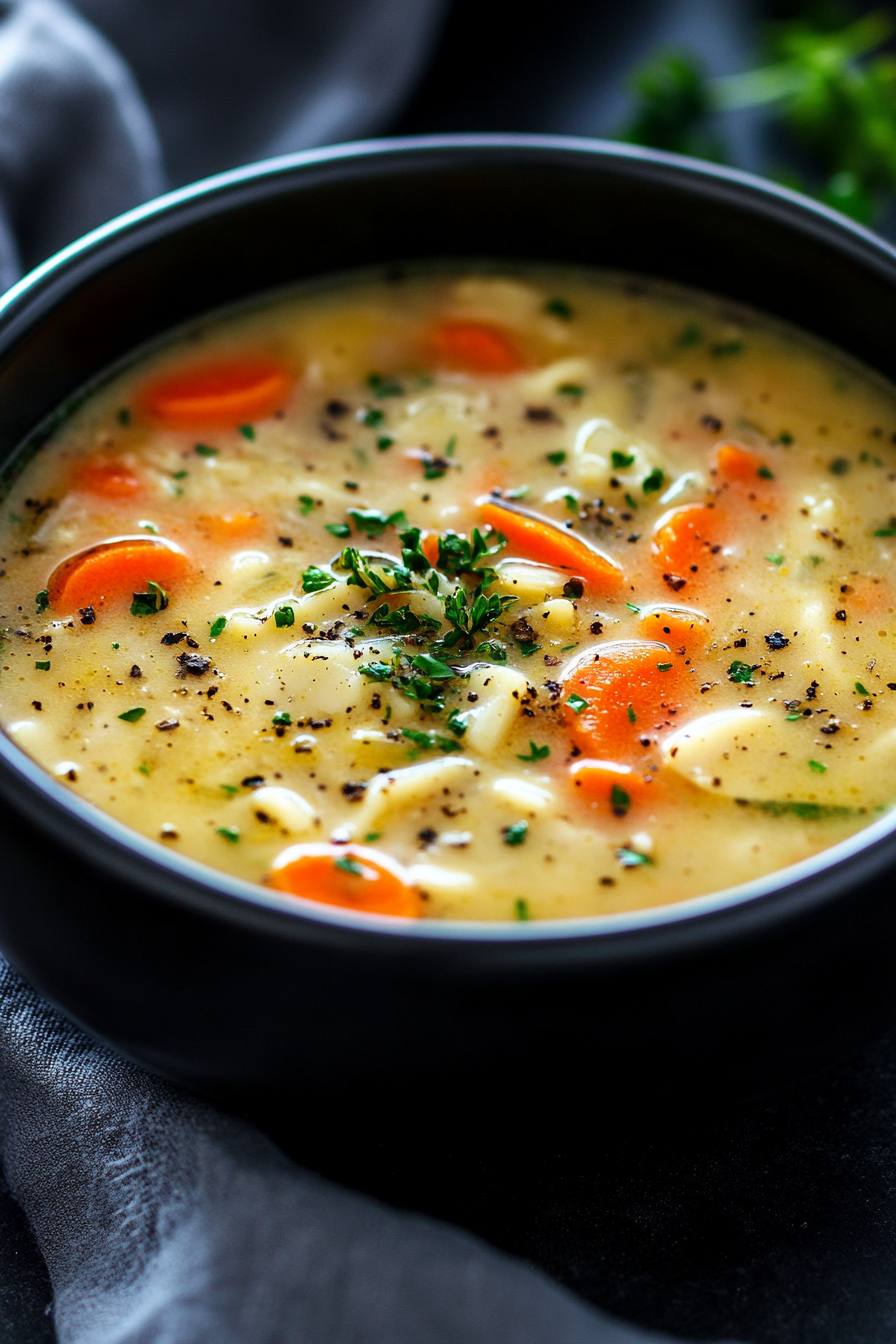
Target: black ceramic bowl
[[237, 991]]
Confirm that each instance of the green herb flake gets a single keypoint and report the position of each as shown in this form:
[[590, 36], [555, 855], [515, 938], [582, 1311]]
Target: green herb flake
[[154, 600], [229, 833], [631, 606], [775, 559], [284, 616], [664, 667], [689, 336], [619, 461], [373, 417], [282, 718], [572, 502], [535, 752], [42, 666], [384, 441], [450, 446], [130, 715], [632, 716], [116, 646], [558, 307], [570, 390], [723, 348], [371, 836], [620, 801], [248, 432], [492, 650], [577, 703], [632, 503], [817, 767], [457, 722], [315, 580], [179, 475], [766, 473], [839, 466], [382, 386], [654, 481], [372, 522], [341, 530], [521, 909], [144, 768], [433, 667], [740, 672], [148, 526], [346, 864], [885, 532], [815, 560], [306, 505], [785, 438], [42, 600], [430, 741], [376, 671], [516, 833], [630, 858], [229, 789], [205, 450], [557, 458], [862, 690], [792, 718], [219, 625]]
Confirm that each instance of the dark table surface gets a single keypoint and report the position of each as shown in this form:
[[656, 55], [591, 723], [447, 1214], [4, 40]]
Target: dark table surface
[[774, 1223]]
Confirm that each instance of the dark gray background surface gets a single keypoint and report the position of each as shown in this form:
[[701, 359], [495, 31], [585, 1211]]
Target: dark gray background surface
[[774, 1224]]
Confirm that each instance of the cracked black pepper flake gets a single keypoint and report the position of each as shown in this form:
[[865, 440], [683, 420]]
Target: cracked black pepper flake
[[354, 790], [776, 640], [165, 725], [173, 637], [87, 614], [193, 664]]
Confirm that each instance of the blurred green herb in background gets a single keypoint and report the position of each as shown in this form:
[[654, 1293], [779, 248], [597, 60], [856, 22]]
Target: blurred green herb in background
[[826, 82]]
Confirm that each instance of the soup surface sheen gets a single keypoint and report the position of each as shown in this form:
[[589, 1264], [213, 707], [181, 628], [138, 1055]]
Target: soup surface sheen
[[467, 596]]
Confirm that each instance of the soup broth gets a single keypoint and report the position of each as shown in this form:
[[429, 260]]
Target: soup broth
[[469, 595]]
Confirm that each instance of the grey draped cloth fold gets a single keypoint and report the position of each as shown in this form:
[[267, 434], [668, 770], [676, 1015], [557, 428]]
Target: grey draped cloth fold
[[162, 1220]]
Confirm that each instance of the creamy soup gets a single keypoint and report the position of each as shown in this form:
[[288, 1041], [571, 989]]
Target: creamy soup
[[469, 595]]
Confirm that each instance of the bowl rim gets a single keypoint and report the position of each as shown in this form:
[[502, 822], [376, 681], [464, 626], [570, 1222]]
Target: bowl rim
[[132, 858]]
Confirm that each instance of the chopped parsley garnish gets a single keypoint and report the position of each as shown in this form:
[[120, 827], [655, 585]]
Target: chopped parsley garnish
[[346, 864], [535, 753], [179, 475], [284, 616], [229, 833], [306, 505], [382, 386], [468, 617], [148, 526], [248, 432], [572, 502], [401, 620], [229, 789], [42, 666], [219, 625], [155, 599], [619, 461], [817, 767], [132, 715], [632, 716], [620, 801], [632, 503], [839, 466], [376, 671], [558, 458], [558, 307], [654, 481], [42, 600], [630, 858], [766, 473], [805, 811], [492, 650], [459, 556], [430, 741], [373, 417], [740, 672], [577, 703], [775, 559], [792, 718], [205, 450], [521, 909], [371, 836], [631, 606], [315, 580], [373, 523], [690, 335], [384, 441], [450, 446], [433, 667], [570, 390], [727, 348], [144, 768], [862, 690], [515, 834], [282, 718], [664, 667], [457, 722], [527, 650], [341, 530]]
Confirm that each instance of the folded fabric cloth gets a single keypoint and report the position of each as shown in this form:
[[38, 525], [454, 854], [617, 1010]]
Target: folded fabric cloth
[[161, 1219], [165, 1221]]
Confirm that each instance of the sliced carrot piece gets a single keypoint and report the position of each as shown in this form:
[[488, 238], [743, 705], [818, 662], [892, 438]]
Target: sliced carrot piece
[[538, 538], [684, 541], [475, 347], [351, 876], [218, 396], [609, 782], [736, 464], [682, 629], [628, 691], [429, 545], [229, 526], [114, 570], [109, 479]]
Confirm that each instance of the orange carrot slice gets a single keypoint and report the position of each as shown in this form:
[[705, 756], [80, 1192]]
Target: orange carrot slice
[[475, 347], [229, 526], [740, 465], [681, 628], [429, 545], [621, 696], [538, 538], [350, 876], [684, 541], [608, 782], [218, 396], [109, 479], [115, 570]]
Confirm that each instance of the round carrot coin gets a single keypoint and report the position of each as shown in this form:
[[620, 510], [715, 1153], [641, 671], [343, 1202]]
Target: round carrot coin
[[475, 347], [353, 877], [218, 396], [617, 703], [110, 480], [115, 570], [684, 543]]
